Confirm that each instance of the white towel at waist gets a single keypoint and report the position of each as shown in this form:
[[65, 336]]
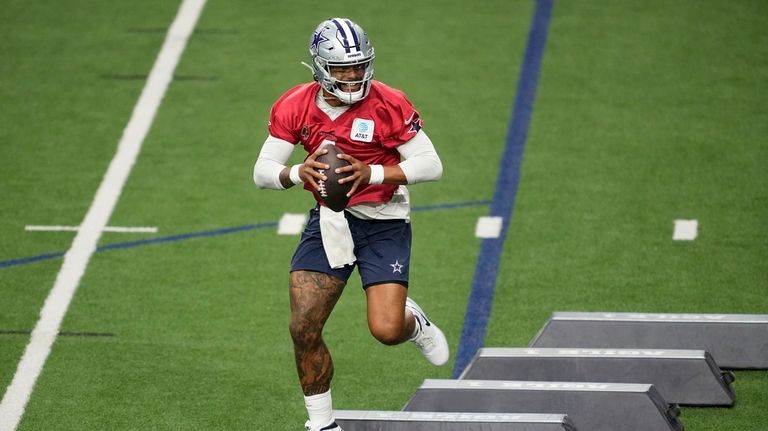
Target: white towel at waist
[[337, 239]]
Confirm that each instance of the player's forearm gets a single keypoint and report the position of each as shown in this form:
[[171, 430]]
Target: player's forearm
[[421, 162], [394, 175], [285, 177], [267, 174], [422, 169], [270, 171]]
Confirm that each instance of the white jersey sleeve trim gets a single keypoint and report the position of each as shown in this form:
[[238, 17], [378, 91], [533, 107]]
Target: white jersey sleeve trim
[[274, 154], [421, 160]]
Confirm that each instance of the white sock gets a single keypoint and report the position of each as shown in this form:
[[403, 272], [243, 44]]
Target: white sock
[[320, 408]]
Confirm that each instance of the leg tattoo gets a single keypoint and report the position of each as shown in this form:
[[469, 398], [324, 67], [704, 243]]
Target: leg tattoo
[[313, 296]]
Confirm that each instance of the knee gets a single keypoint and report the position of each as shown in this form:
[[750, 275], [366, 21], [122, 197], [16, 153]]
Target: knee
[[389, 333], [304, 332]]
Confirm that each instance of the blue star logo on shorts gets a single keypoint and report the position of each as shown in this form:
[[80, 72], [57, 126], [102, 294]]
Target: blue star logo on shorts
[[396, 267]]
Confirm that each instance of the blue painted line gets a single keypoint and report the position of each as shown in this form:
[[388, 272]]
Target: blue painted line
[[131, 244], [23, 260], [185, 236], [484, 281], [449, 206], [203, 234]]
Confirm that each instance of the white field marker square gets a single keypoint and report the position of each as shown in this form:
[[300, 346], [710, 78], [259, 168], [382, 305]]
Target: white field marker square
[[291, 224], [488, 227], [686, 230]]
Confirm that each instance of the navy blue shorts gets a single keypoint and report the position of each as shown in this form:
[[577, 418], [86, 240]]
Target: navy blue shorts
[[382, 248]]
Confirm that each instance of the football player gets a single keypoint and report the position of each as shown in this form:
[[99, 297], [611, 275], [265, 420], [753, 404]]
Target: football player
[[380, 134]]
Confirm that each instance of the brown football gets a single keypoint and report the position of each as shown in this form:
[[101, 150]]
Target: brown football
[[333, 194]]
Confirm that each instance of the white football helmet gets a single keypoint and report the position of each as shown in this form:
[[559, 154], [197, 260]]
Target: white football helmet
[[341, 42]]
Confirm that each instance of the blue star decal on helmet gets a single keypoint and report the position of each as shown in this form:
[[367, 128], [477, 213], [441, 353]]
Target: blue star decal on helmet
[[317, 39]]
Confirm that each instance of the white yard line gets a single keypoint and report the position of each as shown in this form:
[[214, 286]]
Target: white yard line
[[76, 259], [117, 229]]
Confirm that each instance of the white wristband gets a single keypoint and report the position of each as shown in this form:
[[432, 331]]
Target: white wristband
[[294, 174], [377, 174]]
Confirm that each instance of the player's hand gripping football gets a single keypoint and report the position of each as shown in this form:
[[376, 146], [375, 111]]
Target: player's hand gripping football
[[359, 173], [311, 170]]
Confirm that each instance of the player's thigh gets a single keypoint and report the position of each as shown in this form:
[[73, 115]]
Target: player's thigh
[[313, 295], [310, 252], [386, 310]]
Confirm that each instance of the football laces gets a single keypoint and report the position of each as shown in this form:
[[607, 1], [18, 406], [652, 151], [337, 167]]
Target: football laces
[[321, 185]]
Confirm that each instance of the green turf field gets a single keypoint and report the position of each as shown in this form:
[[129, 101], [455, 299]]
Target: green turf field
[[647, 111]]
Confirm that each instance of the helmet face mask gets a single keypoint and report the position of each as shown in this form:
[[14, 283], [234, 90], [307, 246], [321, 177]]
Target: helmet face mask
[[339, 42]]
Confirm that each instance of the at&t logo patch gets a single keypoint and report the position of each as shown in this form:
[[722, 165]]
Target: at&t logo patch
[[362, 130]]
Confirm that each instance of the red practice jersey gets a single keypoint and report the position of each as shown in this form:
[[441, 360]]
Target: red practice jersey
[[370, 130]]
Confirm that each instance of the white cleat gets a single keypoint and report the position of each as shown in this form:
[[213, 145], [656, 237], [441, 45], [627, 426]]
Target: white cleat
[[429, 338], [332, 426]]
